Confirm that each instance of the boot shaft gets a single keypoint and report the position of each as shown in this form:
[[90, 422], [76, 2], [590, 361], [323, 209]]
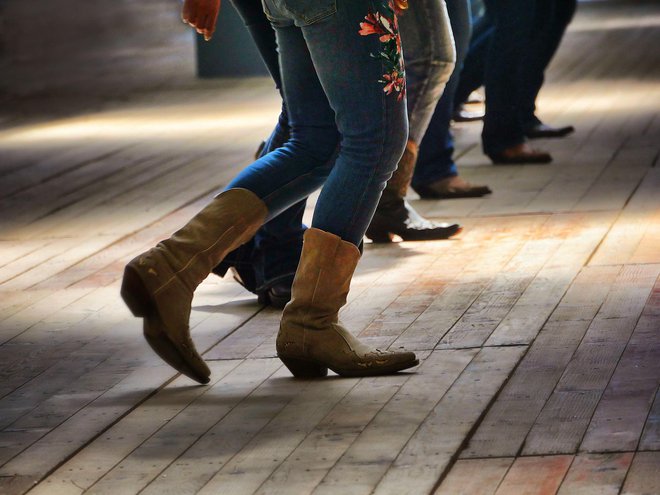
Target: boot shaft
[[227, 222], [323, 278], [397, 186], [311, 338]]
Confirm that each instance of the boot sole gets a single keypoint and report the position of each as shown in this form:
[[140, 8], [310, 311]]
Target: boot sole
[[303, 368], [139, 302], [384, 236]]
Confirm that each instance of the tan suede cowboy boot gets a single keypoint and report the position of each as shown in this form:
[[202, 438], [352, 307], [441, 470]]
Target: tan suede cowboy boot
[[158, 285], [311, 338]]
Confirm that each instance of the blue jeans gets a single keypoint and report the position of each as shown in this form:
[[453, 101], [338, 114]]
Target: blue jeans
[[474, 65], [272, 254], [435, 160], [429, 55], [341, 81]]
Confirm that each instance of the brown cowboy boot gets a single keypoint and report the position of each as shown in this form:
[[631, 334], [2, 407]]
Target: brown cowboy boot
[[394, 215], [311, 338], [158, 285]]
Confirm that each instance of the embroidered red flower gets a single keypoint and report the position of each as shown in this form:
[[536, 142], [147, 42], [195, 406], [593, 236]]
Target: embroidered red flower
[[394, 82], [386, 27]]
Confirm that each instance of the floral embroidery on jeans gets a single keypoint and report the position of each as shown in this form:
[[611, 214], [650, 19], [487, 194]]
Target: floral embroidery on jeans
[[386, 26]]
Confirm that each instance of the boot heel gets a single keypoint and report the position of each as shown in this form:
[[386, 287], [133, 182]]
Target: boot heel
[[134, 293], [378, 234], [304, 369]]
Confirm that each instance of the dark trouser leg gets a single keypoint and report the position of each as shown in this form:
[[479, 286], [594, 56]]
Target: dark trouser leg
[[474, 66], [513, 21], [551, 20]]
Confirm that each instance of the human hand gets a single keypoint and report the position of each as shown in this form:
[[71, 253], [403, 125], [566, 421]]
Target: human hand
[[202, 15]]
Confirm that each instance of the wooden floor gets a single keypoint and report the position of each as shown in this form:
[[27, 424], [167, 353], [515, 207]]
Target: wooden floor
[[538, 328]]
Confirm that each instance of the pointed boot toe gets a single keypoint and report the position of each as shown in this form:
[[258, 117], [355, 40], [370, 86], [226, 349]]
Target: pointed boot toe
[[158, 285], [148, 288], [395, 216], [176, 349]]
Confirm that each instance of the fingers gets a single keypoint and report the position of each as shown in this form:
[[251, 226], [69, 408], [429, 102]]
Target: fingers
[[203, 27], [186, 12], [201, 17]]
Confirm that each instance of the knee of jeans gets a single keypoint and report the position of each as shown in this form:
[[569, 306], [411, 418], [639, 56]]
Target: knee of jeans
[[378, 155], [398, 146], [316, 143], [441, 71]]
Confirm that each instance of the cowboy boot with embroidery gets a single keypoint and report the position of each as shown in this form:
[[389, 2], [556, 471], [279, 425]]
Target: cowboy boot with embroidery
[[311, 338]]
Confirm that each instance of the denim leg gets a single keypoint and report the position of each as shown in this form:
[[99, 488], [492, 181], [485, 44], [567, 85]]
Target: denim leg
[[430, 56], [474, 66], [262, 33], [274, 251], [278, 243], [363, 79], [435, 160], [335, 83], [513, 21], [551, 20], [291, 172]]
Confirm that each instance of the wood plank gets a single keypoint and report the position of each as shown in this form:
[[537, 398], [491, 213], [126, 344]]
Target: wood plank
[[151, 458], [571, 182], [36, 461], [540, 298], [305, 466], [477, 266], [50, 163], [596, 474], [254, 463], [506, 425], [70, 253], [495, 302], [564, 419], [101, 269], [202, 460], [619, 418], [631, 238], [535, 475], [475, 476], [146, 441], [368, 458], [561, 424], [439, 438], [126, 361], [651, 435], [47, 384], [619, 180], [643, 477]]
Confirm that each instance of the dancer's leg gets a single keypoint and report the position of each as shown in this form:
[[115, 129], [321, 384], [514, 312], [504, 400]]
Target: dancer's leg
[[430, 56]]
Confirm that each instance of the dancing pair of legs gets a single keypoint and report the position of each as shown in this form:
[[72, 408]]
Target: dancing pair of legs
[[266, 264], [344, 86]]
